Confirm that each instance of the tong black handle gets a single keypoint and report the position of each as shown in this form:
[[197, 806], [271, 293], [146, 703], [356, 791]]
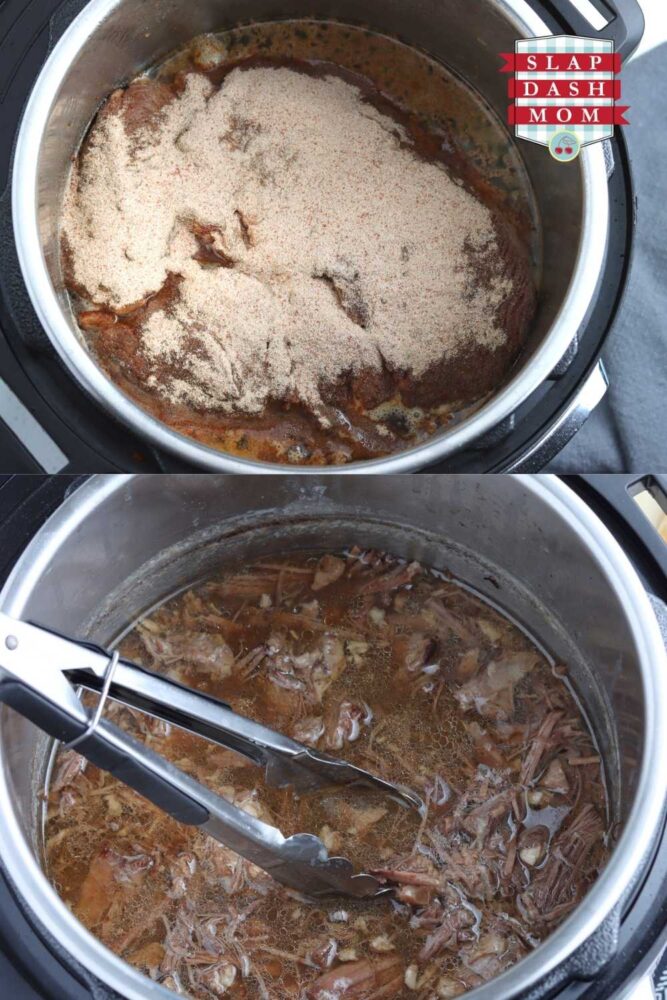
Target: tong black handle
[[36, 668], [109, 749]]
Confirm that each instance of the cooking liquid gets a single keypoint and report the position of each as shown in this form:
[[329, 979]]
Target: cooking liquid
[[372, 414], [402, 672]]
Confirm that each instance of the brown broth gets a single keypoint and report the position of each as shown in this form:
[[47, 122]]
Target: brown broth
[[370, 414], [514, 833]]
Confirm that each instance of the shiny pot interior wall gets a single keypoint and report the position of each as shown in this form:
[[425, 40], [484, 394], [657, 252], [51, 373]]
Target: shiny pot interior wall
[[466, 35], [119, 544]]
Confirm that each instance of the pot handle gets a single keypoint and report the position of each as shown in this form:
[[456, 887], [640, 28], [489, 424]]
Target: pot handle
[[569, 421], [612, 498], [625, 28]]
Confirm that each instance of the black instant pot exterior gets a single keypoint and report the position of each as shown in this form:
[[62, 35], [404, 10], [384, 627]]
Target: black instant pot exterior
[[88, 440], [35, 967]]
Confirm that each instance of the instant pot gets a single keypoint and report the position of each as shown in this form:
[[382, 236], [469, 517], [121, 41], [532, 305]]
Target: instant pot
[[586, 209], [87, 556]]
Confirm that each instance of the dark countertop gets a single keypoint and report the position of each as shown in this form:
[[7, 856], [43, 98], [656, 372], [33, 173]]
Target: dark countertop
[[628, 431]]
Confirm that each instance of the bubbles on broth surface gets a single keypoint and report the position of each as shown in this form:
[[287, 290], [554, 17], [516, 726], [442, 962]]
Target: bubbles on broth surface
[[403, 672]]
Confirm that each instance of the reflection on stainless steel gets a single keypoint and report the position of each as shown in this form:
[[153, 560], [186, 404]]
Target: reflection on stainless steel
[[572, 419], [113, 39], [119, 545]]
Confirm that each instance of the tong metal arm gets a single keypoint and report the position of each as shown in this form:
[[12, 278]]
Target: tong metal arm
[[39, 673]]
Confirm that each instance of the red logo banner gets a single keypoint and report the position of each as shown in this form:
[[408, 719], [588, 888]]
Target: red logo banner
[[560, 62], [589, 89], [537, 115], [564, 91]]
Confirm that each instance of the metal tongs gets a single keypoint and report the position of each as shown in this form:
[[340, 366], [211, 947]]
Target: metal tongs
[[40, 672]]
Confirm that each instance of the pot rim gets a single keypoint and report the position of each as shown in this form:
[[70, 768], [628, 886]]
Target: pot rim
[[607, 892], [68, 345]]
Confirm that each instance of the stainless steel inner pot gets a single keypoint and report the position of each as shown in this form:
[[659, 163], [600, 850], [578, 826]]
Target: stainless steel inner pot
[[112, 40], [118, 544]]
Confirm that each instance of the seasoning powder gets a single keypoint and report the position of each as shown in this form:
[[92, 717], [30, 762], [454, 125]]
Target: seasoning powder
[[330, 246]]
